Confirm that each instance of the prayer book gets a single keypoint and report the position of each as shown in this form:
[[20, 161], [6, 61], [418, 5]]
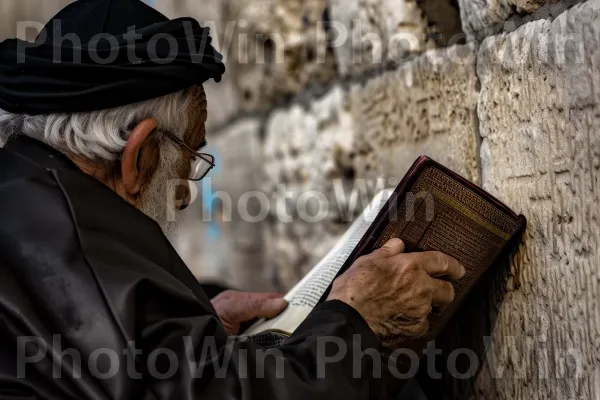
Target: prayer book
[[432, 209]]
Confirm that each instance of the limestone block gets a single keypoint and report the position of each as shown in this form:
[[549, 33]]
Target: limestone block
[[482, 18], [426, 106], [367, 34], [276, 48], [31, 11], [539, 114], [221, 240], [309, 179]]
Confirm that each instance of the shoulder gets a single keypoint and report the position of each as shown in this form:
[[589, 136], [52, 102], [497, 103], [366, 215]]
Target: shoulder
[[52, 204], [32, 201], [64, 212]]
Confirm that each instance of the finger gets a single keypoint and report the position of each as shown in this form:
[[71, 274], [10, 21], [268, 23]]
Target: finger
[[274, 295], [391, 248], [266, 308], [438, 264], [443, 293]]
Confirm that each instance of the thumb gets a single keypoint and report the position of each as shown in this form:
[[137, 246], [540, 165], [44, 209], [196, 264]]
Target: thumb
[[268, 308]]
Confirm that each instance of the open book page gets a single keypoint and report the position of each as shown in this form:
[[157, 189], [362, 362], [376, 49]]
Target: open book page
[[306, 294]]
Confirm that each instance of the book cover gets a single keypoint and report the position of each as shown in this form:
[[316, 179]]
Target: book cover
[[432, 209]]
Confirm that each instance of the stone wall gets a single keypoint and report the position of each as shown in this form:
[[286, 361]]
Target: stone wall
[[539, 120], [503, 92], [339, 97]]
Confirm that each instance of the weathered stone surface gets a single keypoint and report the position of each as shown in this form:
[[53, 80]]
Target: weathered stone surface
[[14, 11], [482, 18], [426, 106], [308, 154], [277, 48], [539, 116], [481, 15], [366, 28], [372, 132], [222, 240], [369, 33]]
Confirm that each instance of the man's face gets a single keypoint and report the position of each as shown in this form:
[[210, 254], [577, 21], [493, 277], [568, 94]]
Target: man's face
[[168, 188], [195, 139]]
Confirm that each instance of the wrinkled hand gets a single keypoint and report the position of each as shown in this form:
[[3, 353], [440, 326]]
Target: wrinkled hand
[[234, 308], [395, 291]]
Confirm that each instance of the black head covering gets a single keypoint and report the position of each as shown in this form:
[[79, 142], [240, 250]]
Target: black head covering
[[98, 54]]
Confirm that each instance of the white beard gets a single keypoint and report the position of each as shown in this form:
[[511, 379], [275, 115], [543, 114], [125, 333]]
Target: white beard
[[158, 197]]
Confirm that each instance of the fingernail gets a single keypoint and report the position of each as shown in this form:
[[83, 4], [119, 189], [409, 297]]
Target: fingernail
[[393, 242], [279, 303], [463, 271]]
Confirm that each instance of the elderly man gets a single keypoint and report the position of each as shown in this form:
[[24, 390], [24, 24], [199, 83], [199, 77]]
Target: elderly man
[[94, 301]]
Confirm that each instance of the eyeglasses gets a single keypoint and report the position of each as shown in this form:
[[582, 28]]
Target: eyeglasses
[[201, 164]]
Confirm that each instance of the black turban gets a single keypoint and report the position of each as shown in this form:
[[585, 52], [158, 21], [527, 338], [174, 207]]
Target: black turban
[[98, 54]]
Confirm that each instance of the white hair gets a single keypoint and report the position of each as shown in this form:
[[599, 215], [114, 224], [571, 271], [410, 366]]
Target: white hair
[[98, 135], [102, 136]]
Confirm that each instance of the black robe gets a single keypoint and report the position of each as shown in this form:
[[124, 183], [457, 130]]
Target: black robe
[[84, 276]]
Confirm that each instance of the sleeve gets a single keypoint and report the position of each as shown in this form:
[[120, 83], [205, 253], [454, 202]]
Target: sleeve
[[100, 306], [332, 355]]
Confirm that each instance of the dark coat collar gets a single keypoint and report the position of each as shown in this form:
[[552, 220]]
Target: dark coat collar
[[38, 153]]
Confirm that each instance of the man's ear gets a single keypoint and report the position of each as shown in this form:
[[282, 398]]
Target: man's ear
[[129, 160]]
